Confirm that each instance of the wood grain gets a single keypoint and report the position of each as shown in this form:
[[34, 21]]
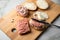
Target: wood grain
[[7, 25]]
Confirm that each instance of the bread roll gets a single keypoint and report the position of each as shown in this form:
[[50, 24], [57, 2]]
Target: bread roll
[[40, 15], [30, 5], [36, 25], [23, 26], [22, 11], [42, 4]]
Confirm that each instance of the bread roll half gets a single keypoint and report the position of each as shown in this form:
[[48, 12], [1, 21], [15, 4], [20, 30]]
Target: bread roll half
[[37, 25], [30, 5], [40, 15], [42, 4]]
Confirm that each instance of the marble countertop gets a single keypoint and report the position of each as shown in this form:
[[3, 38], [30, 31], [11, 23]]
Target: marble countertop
[[51, 33]]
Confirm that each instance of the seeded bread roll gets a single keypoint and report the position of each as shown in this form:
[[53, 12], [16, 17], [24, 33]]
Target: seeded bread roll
[[36, 25], [30, 5], [40, 15], [42, 4], [22, 11], [23, 26]]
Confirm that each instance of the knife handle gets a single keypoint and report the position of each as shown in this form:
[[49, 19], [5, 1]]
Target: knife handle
[[55, 25]]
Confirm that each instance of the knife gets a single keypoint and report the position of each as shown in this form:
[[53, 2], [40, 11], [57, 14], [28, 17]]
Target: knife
[[46, 23]]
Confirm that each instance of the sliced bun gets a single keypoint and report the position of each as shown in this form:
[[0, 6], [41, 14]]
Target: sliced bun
[[30, 5], [23, 26], [42, 4], [22, 11], [40, 15], [36, 25]]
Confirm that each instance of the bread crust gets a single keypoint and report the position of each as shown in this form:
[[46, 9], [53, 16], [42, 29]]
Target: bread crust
[[42, 4]]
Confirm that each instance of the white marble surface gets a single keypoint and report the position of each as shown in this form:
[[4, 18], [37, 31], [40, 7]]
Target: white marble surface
[[3, 36], [7, 5]]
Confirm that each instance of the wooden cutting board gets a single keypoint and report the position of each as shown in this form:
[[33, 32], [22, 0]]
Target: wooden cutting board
[[8, 23]]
